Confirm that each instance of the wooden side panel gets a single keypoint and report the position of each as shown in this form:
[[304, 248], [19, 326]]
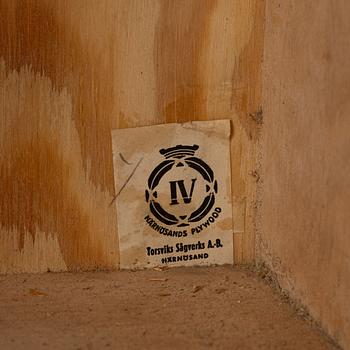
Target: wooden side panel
[[70, 71], [304, 236]]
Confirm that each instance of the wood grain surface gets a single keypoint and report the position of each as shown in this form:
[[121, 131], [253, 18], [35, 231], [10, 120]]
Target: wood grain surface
[[304, 236], [71, 71]]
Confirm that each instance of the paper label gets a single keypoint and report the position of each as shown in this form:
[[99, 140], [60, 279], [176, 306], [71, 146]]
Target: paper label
[[173, 194]]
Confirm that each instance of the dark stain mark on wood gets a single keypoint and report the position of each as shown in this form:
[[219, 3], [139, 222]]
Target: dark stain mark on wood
[[257, 116]]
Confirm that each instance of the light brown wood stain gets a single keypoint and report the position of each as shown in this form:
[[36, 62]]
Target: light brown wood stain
[[34, 189]]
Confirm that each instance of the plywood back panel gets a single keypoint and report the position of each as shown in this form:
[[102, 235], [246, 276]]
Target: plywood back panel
[[71, 71]]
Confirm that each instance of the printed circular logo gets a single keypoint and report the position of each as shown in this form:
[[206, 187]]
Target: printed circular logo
[[181, 189]]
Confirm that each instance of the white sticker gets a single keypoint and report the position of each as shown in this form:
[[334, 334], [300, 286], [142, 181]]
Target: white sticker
[[173, 194]]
